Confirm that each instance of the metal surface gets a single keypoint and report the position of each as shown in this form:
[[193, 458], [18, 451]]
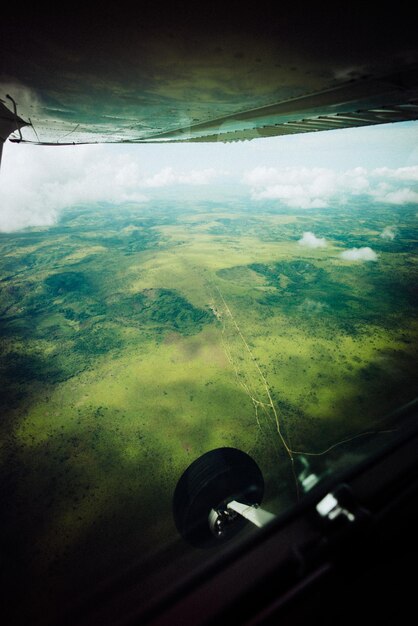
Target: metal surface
[[254, 514], [330, 508], [205, 73], [220, 519]]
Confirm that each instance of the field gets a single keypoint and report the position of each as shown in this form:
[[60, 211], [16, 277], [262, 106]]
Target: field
[[136, 338]]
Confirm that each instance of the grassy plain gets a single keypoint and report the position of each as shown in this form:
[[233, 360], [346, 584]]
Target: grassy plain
[[134, 339]]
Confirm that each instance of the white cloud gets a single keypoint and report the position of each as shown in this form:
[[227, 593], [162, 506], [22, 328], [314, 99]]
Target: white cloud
[[295, 187], [293, 196], [405, 195], [37, 183], [359, 254], [312, 241], [401, 173], [304, 187], [198, 177], [168, 176], [316, 187], [389, 232]]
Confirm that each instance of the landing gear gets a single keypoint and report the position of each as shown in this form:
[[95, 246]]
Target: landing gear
[[216, 496]]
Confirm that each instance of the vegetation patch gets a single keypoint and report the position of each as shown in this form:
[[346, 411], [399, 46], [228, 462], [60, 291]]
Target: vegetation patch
[[68, 283], [164, 308]]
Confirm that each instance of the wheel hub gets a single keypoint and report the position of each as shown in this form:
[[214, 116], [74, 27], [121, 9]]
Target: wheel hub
[[220, 520]]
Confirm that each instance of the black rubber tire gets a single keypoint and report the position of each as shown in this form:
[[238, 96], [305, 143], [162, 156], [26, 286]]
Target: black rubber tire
[[217, 477]]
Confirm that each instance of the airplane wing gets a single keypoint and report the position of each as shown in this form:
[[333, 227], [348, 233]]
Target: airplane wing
[[205, 74]]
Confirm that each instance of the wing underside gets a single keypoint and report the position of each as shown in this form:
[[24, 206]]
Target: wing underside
[[212, 75]]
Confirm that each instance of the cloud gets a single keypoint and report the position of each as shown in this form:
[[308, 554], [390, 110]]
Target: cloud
[[405, 195], [37, 183], [401, 173], [306, 188], [295, 187], [389, 232], [168, 176], [312, 241], [292, 196], [359, 254]]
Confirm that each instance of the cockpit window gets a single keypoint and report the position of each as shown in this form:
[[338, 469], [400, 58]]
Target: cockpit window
[[161, 302]]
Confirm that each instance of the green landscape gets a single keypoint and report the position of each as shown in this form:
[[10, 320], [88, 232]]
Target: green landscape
[[137, 337]]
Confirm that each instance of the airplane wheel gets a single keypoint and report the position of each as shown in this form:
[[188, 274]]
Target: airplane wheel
[[210, 482]]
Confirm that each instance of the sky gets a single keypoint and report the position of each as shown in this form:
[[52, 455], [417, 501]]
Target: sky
[[307, 171]]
